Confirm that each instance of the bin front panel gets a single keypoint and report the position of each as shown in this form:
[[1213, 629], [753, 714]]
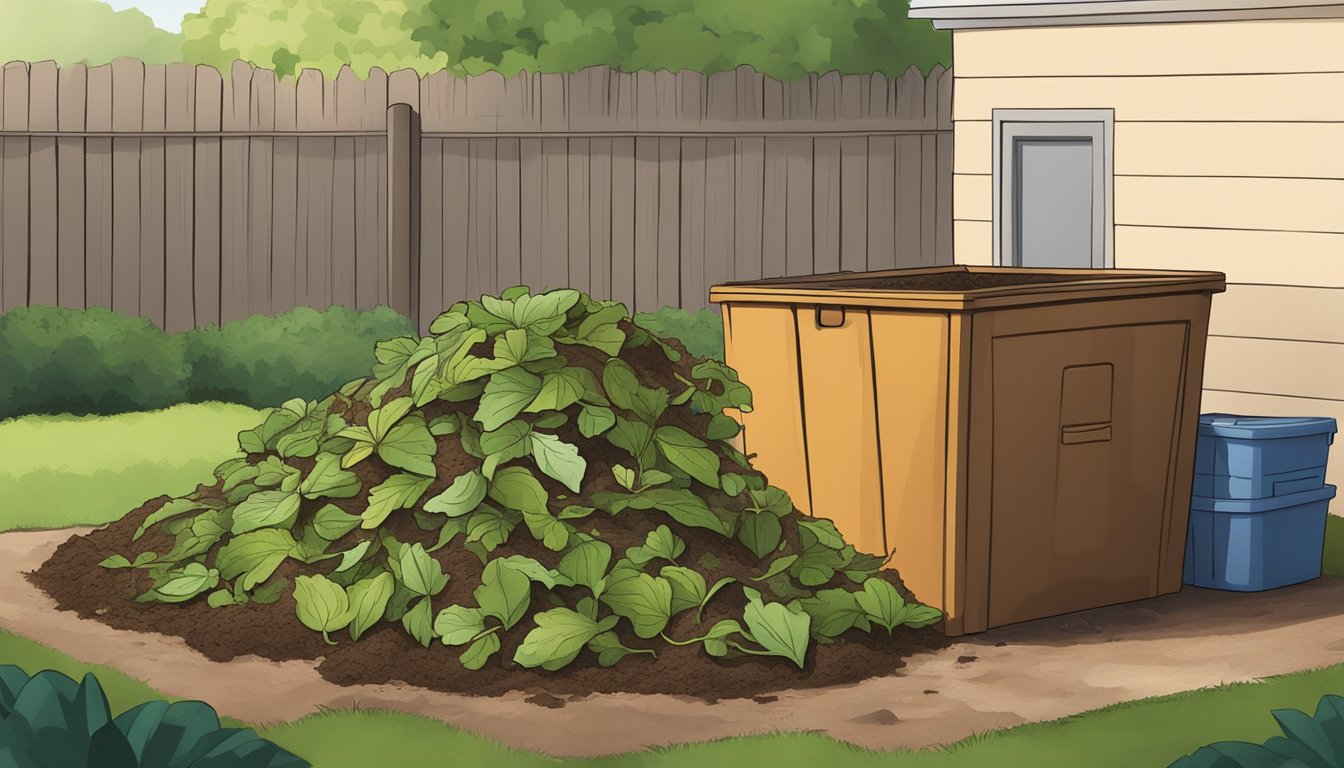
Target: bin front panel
[[910, 369], [761, 343], [840, 422], [1082, 445]]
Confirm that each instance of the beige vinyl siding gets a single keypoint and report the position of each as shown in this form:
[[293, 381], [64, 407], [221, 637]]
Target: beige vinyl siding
[[1264, 149], [1290, 45], [1280, 312], [1247, 98], [1245, 256], [1227, 157], [1217, 401]]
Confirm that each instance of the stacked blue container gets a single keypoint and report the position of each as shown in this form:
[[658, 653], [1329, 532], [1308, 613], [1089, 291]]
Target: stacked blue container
[[1257, 518]]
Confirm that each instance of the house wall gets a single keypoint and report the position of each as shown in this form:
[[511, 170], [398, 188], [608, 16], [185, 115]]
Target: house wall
[[1229, 156]]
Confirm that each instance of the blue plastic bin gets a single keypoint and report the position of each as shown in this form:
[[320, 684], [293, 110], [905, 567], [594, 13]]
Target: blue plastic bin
[[1257, 544], [1256, 457]]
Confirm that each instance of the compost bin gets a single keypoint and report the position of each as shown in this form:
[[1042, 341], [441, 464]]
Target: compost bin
[[1023, 440]]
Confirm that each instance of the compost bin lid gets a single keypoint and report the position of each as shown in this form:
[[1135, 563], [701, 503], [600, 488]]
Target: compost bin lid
[[1263, 427], [966, 287], [1255, 506]]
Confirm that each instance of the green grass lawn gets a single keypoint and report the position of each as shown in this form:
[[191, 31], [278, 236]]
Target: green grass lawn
[[1151, 732], [62, 471]]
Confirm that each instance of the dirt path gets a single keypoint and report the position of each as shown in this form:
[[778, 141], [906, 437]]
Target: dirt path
[[1036, 671]]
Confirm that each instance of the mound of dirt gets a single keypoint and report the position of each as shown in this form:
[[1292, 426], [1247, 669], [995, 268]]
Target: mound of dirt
[[582, 477]]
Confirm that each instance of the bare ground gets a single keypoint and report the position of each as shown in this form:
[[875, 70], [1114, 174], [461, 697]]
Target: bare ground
[[1040, 670]]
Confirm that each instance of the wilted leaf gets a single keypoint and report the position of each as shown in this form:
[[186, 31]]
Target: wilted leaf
[[331, 522], [321, 605], [504, 593], [586, 563], [505, 396], [462, 497], [328, 479], [557, 639], [368, 601], [410, 446], [643, 599], [254, 556], [458, 624], [420, 572], [777, 629], [396, 492], [559, 459], [595, 419], [419, 622], [760, 532], [689, 454]]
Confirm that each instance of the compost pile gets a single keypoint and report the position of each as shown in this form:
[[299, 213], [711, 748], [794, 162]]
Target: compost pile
[[537, 495]]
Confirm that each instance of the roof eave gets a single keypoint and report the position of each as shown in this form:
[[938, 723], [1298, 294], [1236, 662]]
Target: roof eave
[[976, 14]]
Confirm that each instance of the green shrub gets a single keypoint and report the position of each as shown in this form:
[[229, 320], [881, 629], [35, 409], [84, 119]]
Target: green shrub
[[266, 360], [86, 361], [96, 361], [700, 332], [1307, 742], [50, 720]]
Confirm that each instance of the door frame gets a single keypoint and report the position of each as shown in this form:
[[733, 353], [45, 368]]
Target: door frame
[[1098, 125]]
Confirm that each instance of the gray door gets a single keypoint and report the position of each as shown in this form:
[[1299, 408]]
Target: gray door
[[1052, 208], [1052, 189]]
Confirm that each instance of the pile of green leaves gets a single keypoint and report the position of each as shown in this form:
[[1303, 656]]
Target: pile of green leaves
[[1307, 742], [508, 433], [50, 720]]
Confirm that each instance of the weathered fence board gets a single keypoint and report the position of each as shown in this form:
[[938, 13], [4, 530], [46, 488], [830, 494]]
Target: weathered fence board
[[192, 198]]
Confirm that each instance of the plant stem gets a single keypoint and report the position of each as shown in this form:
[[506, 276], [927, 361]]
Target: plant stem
[[692, 641], [326, 637], [751, 651]]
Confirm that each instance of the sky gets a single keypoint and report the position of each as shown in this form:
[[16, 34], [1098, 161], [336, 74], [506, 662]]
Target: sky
[[167, 14]]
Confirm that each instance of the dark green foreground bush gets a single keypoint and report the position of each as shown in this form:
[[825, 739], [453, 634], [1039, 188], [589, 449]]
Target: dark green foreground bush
[[1307, 742], [96, 361], [50, 721]]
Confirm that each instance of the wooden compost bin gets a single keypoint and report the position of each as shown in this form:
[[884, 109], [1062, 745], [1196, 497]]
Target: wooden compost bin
[[1023, 439]]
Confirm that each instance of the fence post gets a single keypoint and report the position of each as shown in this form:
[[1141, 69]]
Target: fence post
[[403, 210]]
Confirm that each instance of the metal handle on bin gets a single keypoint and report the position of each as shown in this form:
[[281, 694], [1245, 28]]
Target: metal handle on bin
[[1075, 434], [830, 317]]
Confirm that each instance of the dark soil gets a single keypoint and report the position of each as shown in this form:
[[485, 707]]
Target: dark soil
[[952, 281], [389, 654]]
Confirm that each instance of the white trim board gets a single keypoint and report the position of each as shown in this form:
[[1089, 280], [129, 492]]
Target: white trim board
[[982, 14]]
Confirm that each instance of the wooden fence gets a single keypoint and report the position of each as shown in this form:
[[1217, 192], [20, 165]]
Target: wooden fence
[[191, 198]]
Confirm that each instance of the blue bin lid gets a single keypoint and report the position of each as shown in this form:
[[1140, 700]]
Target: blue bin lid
[[1252, 506], [1263, 427]]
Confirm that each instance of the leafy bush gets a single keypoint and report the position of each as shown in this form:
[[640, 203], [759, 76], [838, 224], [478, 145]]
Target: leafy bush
[[262, 360], [97, 361], [482, 455], [82, 31], [86, 361], [50, 720], [1306, 742], [783, 38], [700, 332]]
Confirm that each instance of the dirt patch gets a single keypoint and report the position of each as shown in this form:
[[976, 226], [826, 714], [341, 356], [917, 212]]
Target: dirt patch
[[73, 579], [1041, 670]]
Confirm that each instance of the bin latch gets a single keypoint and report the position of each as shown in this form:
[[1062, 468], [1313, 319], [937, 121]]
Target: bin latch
[[830, 317]]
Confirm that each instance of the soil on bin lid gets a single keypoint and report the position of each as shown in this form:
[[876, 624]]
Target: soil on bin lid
[[955, 281], [388, 654]]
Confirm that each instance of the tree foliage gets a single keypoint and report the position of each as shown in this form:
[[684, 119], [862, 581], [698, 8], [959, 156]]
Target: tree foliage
[[782, 38], [81, 31]]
